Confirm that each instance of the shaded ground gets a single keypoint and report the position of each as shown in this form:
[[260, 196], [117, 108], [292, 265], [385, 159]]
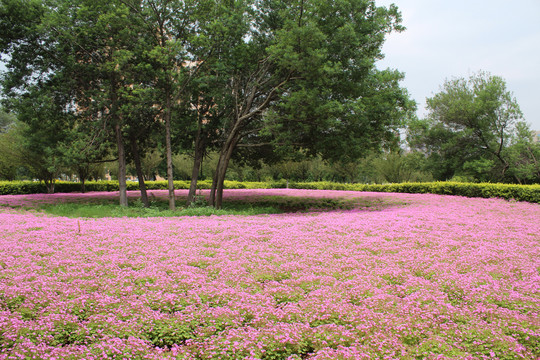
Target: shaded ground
[[237, 202]]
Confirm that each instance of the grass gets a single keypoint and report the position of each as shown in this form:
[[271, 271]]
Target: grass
[[159, 208], [107, 206]]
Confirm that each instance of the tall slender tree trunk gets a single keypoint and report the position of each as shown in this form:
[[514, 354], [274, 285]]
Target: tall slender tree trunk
[[167, 116], [122, 172], [220, 183], [138, 168], [197, 161], [121, 166], [212, 198]]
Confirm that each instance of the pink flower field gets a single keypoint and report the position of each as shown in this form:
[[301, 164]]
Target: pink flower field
[[422, 277]]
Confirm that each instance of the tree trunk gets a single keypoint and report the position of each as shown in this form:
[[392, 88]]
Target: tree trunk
[[49, 184], [220, 176], [221, 170], [121, 167], [167, 115], [83, 174], [506, 166], [212, 198], [140, 175], [197, 161]]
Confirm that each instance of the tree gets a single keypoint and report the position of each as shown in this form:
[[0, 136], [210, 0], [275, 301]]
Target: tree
[[100, 50], [524, 156], [150, 163], [304, 70], [255, 75], [444, 150], [469, 126], [6, 121], [177, 33], [43, 111], [10, 146], [105, 43], [397, 167], [34, 93], [167, 24], [36, 84], [84, 151]]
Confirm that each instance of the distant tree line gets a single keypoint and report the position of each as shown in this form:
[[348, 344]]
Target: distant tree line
[[487, 141]]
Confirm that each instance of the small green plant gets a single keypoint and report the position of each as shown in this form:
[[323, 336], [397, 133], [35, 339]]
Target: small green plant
[[198, 201], [167, 332], [68, 333]]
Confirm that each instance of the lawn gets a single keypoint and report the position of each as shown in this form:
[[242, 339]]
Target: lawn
[[327, 275]]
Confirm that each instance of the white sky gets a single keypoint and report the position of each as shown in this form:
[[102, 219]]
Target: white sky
[[457, 38]]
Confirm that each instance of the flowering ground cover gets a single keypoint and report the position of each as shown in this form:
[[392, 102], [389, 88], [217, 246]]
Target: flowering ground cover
[[417, 276]]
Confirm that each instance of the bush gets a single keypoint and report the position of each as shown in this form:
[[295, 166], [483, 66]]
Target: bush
[[530, 193]]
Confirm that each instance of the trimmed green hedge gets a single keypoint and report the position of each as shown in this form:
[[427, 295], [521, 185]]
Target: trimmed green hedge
[[530, 193], [35, 187]]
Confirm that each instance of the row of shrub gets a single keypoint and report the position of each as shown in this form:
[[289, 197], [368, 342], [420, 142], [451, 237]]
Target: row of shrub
[[36, 187], [530, 193]]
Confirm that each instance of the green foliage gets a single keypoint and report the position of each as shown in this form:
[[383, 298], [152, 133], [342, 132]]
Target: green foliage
[[529, 193], [11, 303], [396, 168], [252, 74], [35, 187], [6, 121], [524, 156], [168, 332], [469, 129], [68, 333], [157, 209], [11, 147], [339, 106], [279, 351], [527, 337], [198, 201]]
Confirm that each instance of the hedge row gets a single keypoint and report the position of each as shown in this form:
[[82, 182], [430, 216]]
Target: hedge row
[[530, 193], [35, 187]]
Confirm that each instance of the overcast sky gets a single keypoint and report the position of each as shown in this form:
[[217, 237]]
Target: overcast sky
[[457, 38]]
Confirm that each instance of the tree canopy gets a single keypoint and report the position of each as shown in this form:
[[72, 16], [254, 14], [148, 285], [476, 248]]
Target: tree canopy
[[472, 130], [247, 78]]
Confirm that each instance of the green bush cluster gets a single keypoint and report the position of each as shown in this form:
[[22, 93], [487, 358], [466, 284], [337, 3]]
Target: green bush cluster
[[35, 187], [530, 193]]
